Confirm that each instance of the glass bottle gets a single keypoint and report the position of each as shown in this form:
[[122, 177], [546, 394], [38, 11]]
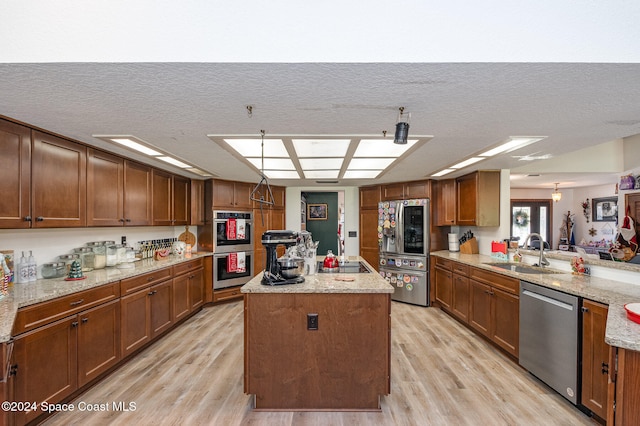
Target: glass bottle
[[33, 267]]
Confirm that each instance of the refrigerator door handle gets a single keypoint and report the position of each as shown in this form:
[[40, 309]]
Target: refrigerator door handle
[[400, 227]]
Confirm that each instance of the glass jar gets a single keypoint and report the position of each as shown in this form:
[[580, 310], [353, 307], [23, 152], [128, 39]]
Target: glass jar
[[121, 253], [68, 260], [54, 270], [88, 258], [100, 254], [112, 254]]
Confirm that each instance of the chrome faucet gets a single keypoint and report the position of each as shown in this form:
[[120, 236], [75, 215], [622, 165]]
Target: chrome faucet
[[542, 262]]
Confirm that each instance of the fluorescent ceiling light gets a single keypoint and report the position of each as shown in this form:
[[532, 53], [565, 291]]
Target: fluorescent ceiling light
[[513, 144], [321, 174], [321, 147], [442, 172], [198, 172], [273, 163], [281, 174], [173, 161], [130, 143], [370, 163], [467, 162], [321, 163], [361, 174], [382, 148], [253, 147]]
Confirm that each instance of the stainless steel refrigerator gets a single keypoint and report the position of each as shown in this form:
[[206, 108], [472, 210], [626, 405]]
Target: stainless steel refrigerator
[[403, 235]]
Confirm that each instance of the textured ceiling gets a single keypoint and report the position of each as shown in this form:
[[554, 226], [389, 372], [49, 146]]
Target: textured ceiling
[[466, 107]]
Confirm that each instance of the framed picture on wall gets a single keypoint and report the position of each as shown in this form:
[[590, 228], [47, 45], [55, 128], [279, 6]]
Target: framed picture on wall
[[316, 212], [605, 209]]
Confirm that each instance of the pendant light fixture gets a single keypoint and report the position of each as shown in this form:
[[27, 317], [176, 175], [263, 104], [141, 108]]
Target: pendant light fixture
[[402, 127], [555, 195]]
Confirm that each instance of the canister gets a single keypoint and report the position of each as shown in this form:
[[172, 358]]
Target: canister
[[68, 260], [54, 270], [100, 252], [88, 258]]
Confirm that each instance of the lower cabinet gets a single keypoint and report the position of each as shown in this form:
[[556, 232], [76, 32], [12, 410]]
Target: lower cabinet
[[444, 283], [624, 392], [188, 289], [460, 289], [53, 361], [595, 358], [226, 294]]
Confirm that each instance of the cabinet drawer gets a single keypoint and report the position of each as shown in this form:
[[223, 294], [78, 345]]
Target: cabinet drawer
[[443, 263], [461, 268], [511, 285], [131, 285], [227, 294], [38, 315], [186, 267]]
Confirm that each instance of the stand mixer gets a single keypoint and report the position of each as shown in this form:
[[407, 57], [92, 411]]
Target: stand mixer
[[285, 270]]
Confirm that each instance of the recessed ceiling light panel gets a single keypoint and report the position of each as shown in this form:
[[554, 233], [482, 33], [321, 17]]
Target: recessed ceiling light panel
[[443, 172], [272, 163], [382, 148], [467, 162], [321, 174], [253, 147], [321, 163], [515, 142], [321, 147], [362, 174], [281, 174], [173, 161], [370, 163]]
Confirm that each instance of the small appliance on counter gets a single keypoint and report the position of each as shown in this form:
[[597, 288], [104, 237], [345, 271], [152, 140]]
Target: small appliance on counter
[[454, 244], [330, 261], [286, 270]]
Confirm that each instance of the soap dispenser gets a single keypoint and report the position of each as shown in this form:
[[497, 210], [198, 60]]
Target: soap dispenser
[[33, 267]]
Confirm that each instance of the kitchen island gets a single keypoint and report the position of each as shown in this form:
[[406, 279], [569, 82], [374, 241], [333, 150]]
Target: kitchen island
[[323, 344]]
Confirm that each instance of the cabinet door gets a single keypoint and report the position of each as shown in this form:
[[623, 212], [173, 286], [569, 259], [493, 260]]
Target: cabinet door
[[467, 199], [417, 189], [279, 197], [98, 341], [446, 203], [444, 289], [137, 194], [223, 193], [394, 191], [595, 358], [47, 365], [369, 248], [196, 211], [242, 195], [105, 189], [135, 328], [181, 200], [160, 300], [58, 182], [15, 175], [505, 320], [370, 196], [261, 223], [460, 302], [480, 307], [162, 201], [196, 289], [181, 301]]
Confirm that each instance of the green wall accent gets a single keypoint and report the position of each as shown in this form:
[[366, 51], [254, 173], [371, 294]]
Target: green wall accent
[[325, 231]]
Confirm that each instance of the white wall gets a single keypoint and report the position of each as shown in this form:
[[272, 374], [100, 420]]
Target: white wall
[[48, 244]]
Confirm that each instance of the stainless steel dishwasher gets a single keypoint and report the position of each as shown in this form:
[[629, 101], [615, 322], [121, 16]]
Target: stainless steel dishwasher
[[549, 337]]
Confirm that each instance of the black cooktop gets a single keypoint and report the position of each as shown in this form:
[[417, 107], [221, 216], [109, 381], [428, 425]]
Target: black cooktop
[[347, 268]]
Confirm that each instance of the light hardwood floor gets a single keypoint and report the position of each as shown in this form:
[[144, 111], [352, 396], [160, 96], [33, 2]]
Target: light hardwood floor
[[441, 374]]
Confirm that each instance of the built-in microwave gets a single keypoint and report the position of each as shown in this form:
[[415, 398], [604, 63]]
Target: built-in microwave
[[230, 231]]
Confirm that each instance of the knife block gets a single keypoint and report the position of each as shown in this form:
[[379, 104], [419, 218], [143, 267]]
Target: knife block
[[470, 246]]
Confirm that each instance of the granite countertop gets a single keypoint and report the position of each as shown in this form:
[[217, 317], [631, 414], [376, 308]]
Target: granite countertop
[[21, 295], [327, 283], [621, 332]]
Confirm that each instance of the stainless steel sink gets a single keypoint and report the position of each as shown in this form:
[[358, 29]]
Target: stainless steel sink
[[522, 268]]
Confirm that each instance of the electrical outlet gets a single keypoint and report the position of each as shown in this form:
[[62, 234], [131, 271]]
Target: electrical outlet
[[312, 321]]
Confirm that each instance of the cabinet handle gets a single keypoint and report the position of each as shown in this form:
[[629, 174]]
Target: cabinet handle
[[605, 368], [13, 370], [27, 218], [121, 219], [151, 293], [149, 279], [78, 302], [127, 220], [584, 309], [74, 324], [39, 219], [191, 276], [85, 320]]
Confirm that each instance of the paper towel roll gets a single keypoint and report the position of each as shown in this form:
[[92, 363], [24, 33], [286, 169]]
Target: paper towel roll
[[454, 243]]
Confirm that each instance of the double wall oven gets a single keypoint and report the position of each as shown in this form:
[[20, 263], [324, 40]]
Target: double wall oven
[[231, 240]]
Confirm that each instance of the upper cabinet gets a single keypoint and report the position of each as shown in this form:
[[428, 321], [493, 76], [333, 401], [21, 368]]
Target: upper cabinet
[[197, 213], [232, 195], [392, 191], [181, 200], [15, 175], [137, 194], [105, 189], [478, 199], [170, 199], [58, 182], [446, 202], [406, 190], [370, 196]]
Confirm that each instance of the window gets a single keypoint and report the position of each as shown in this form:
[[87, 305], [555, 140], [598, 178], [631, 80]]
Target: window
[[529, 216]]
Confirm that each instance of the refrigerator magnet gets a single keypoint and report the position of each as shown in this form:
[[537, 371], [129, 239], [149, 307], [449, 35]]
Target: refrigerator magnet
[[409, 287]]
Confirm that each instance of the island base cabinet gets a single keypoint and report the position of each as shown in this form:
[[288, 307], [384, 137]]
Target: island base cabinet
[[344, 364]]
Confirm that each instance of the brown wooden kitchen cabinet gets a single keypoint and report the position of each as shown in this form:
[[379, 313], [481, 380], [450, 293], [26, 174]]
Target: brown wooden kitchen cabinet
[[392, 191], [460, 289], [105, 189], [624, 392], [494, 308], [370, 196], [15, 175], [138, 194], [265, 218], [181, 200], [197, 213], [446, 207], [55, 359], [58, 182], [231, 195], [478, 199], [188, 288], [595, 357], [170, 199], [443, 280], [417, 189]]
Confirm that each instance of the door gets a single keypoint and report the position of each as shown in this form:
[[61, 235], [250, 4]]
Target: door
[[98, 341], [135, 326], [15, 175], [413, 218], [480, 307], [181, 200], [595, 358], [444, 288], [633, 202], [161, 307], [137, 194], [196, 289], [181, 302], [529, 216], [105, 189], [162, 198]]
